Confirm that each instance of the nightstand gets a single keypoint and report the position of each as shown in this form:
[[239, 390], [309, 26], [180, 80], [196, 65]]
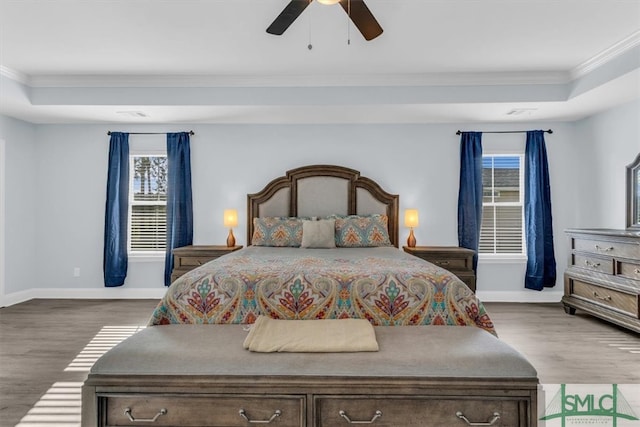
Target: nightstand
[[187, 258], [457, 260]]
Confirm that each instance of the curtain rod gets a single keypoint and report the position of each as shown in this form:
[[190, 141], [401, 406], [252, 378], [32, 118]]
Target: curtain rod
[[508, 131], [149, 133]]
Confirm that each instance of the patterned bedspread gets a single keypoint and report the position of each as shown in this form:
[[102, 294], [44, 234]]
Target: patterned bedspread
[[384, 285]]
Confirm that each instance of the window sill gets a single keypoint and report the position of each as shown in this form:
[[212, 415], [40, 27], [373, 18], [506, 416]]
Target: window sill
[[159, 257], [502, 259]]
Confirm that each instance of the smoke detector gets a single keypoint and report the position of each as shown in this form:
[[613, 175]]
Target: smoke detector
[[521, 112]]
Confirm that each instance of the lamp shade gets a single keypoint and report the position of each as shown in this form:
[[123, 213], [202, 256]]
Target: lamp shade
[[230, 217], [328, 1], [411, 218]]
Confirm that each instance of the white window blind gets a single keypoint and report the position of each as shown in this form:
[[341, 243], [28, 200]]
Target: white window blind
[[147, 204], [502, 230]]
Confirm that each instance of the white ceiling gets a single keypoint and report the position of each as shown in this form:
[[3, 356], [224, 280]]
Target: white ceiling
[[211, 61]]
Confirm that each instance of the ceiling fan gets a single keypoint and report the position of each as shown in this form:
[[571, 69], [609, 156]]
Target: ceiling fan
[[359, 13]]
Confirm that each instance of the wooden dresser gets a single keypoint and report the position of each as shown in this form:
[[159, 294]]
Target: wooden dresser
[[200, 375], [603, 275], [187, 258], [457, 260]]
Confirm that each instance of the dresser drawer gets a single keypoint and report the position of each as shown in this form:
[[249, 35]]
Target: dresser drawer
[[203, 411], [457, 260], [628, 270], [450, 264], [592, 263], [417, 412], [620, 301], [191, 261], [468, 279], [602, 247], [186, 258]]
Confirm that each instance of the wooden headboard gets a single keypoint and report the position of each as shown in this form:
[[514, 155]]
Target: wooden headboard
[[321, 190]]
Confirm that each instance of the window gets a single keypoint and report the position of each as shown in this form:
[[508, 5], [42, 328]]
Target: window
[[502, 230], [147, 204]]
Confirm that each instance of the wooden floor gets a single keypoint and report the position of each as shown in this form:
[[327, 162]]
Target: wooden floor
[[46, 348]]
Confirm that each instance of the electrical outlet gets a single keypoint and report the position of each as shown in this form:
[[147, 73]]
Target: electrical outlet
[[76, 272]]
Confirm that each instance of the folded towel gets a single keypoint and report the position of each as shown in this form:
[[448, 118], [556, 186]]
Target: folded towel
[[312, 336]]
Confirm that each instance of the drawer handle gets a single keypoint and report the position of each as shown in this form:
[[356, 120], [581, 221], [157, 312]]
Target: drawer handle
[[275, 415], [600, 248], [591, 264], [606, 298], [492, 421], [637, 271], [344, 415], [442, 262], [127, 412]]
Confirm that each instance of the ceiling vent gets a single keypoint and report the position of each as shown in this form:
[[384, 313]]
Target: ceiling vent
[[132, 113]]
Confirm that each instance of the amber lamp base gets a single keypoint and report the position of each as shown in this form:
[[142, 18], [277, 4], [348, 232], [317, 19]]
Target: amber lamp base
[[411, 240], [231, 240]]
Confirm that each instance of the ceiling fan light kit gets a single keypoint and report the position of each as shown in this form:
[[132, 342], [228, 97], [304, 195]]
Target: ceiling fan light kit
[[357, 10]]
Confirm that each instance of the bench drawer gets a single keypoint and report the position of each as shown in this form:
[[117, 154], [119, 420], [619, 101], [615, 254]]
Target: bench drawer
[[203, 411], [417, 412]]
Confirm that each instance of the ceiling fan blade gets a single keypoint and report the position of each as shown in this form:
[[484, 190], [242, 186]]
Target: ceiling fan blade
[[362, 18], [287, 16]]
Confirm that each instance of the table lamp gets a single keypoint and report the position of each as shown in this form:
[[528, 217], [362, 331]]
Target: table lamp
[[231, 220], [411, 221]]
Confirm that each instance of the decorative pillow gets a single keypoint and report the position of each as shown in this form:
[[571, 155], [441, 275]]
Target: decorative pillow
[[355, 231], [277, 231], [318, 234]]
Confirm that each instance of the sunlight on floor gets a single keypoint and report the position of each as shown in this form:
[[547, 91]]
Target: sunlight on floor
[[59, 407], [61, 404], [105, 340], [621, 342]]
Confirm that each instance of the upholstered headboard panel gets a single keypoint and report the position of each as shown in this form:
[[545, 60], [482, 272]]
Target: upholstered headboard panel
[[321, 190]]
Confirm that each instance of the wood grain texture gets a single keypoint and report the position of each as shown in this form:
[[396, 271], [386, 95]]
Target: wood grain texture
[[355, 182], [457, 260], [39, 338], [603, 276], [200, 375], [186, 258]]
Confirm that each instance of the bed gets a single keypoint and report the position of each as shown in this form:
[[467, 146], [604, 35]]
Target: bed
[[284, 276], [189, 368]]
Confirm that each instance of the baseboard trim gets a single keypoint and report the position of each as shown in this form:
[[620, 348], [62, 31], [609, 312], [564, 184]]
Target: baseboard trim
[[523, 296], [520, 296], [72, 293]]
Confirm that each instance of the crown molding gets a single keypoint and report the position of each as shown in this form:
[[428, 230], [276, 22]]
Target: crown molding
[[14, 75], [605, 56], [357, 80], [324, 80]]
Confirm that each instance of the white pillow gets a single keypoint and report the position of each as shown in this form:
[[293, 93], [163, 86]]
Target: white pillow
[[319, 234]]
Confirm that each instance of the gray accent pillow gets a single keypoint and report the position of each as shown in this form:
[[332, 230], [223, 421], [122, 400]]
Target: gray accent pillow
[[319, 234]]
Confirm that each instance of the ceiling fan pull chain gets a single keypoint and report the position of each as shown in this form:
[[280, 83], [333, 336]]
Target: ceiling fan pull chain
[[310, 46], [349, 22]]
